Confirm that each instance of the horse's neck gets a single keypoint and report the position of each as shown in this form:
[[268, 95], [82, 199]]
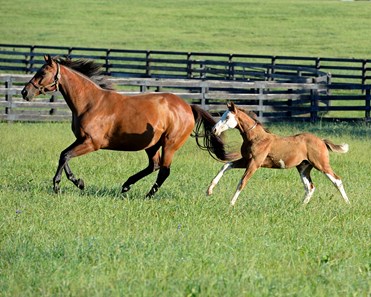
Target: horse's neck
[[77, 90]]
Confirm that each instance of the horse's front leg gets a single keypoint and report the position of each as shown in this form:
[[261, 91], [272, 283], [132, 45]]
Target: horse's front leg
[[250, 170], [78, 148], [240, 163]]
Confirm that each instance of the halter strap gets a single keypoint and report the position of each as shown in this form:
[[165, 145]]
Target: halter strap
[[252, 127], [55, 83]]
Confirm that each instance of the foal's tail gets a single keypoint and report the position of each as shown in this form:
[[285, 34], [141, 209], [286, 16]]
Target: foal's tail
[[212, 143], [337, 148]]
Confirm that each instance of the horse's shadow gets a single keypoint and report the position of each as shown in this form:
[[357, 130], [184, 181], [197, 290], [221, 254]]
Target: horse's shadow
[[114, 193]]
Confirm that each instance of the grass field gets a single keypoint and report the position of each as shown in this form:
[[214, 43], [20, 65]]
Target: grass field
[[181, 243], [325, 28]]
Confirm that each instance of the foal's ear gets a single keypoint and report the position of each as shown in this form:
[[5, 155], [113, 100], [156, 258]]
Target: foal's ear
[[48, 59], [231, 106]]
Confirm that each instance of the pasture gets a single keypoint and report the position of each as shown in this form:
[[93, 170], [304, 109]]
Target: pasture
[[324, 28], [180, 243]]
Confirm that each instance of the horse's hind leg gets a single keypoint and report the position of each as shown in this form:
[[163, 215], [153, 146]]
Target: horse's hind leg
[[338, 184], [162, 176], [168, 151], [153, 165], [304, 170], [241, 163]]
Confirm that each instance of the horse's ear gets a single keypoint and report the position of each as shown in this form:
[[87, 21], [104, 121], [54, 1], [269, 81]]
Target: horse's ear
[[48, 59], [231, 106]]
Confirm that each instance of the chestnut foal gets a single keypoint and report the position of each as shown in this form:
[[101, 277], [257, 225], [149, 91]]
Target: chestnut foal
[[263, 149]]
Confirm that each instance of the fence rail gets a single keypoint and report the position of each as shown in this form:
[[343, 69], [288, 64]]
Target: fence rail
[[276, 87], [272, 101]]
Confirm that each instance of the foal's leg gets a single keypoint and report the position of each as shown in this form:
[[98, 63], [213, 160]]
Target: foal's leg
[[252, 166], [338, 184], [78, 148], [304, 170], [324, 166], [153, 165], [241, 163]]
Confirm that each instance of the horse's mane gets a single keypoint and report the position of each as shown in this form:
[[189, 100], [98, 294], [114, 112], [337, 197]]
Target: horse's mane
[[253, 115], [88, 68]]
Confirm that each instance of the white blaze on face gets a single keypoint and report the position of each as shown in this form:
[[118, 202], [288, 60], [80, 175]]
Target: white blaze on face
[[227, 121]]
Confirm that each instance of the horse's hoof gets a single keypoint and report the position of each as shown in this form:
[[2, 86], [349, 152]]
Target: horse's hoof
[[151, 193], [56, 189], [80, 184], [125, 189], [209, 192]]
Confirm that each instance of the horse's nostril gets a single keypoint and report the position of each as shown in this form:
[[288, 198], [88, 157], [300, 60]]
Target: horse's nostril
[[24, 93]]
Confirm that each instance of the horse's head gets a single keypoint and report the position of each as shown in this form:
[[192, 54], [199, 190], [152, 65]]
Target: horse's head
[[44, 81], [227, 121]]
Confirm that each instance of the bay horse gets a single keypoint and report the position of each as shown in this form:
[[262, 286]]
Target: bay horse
[[104, 119], [260, 148]]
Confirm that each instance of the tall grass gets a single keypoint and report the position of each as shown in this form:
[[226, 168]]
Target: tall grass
[[181, 243]]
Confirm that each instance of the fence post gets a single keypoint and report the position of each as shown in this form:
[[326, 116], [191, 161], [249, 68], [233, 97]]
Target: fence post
[[31, 60], [318, 63], [230, 67], [204, 89], [148, 64], [189, 65], [52, 110], [9, 98], [313, 105], [108, 51], [364, 70], [368, 105]]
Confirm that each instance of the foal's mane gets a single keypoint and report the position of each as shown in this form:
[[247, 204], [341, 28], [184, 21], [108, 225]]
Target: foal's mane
[[253, 115], [88, 68]]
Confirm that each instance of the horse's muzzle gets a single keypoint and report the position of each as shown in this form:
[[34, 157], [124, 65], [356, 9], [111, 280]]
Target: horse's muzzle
[[26, 95]]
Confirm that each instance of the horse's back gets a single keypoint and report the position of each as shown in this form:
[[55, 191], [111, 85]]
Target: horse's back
[[140, 121]]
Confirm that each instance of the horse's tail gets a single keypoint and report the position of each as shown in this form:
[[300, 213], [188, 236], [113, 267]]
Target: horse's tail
[[212, 143], [337, 148]]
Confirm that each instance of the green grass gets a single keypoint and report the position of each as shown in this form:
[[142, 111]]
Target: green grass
[[329, 28], [181, 243]]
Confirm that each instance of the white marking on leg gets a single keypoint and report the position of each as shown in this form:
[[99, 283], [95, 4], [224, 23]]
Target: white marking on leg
[[217, 178], [282, 164], [236, 194], [339, 184], [309, 188]]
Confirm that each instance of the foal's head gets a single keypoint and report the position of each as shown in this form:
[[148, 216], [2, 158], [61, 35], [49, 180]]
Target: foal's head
[[231, 119]]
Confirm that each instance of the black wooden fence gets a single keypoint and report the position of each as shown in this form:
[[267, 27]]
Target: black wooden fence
[[277, 87]]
